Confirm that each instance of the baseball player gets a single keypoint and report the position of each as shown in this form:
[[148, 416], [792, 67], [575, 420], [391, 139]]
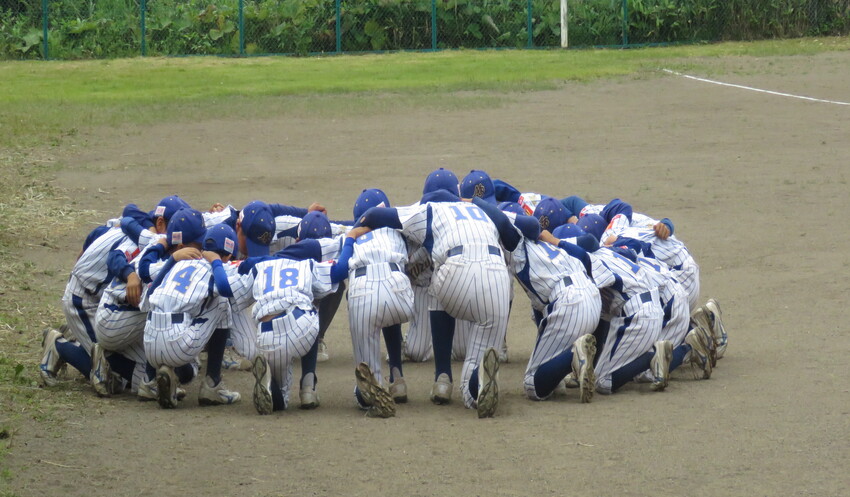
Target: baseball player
[[285, 287], [380, 297], [187, 308], [88, 279], [470, 282], [554, 274]]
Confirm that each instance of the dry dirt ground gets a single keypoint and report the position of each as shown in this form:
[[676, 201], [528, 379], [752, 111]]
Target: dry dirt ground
[[757, 187]]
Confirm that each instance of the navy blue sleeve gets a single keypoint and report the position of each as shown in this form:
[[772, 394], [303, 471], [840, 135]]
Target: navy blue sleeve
[[573, 204], [131, 228], [94, 235], [439, 196], [505, 192], [667, 222], [339, 271], [636, 245], [141, 217], [529, 226], [118, 266], [287, 210], [579, 253], [614, 208], [231, 221], [508, 235], [220, 276], [380, 217], [301, 251], [154, 254], [248, 264], [162, 274]]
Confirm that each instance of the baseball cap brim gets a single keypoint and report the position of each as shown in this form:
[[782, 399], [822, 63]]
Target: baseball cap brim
[[256, 249]]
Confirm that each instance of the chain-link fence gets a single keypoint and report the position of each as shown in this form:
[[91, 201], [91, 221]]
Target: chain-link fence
[[72, 29]]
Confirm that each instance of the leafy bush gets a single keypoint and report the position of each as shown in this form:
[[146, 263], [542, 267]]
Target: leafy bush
[[112, 28]]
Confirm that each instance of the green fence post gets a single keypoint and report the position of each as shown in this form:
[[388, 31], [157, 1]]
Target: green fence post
[[45, 53], [530, 28], [625, 22], [241, 28], [143, 7], [434, 25], [338, 27]]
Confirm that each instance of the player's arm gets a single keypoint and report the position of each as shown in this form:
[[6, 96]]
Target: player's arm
[[339, 271], [510, 233], [121, 268], [571, 249], [222, 282], [664, 228], [380, 217], [505, 192]]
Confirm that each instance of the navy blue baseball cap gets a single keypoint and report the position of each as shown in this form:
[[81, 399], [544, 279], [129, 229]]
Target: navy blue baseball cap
[[478, 184], [568, 230], [221, 238], [368, 199], [593, 224], [314, 225], [441, 179], [258, 225], [140, 216], [551, 213], [512, 207], [186, 226], [168, 206]]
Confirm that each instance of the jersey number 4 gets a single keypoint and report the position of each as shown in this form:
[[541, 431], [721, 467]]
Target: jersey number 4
[[183, 278], [286, 278]]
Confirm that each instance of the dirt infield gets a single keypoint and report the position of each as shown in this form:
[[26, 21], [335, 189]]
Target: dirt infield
[[757, 187]]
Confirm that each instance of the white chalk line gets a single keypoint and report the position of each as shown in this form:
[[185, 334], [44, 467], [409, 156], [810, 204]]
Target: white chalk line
[[721, 83]]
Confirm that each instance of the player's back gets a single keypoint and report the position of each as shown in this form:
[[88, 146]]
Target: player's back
[[617, 272], [671, 251], [460, 224], [381, 245], [541, 267], [187, 288], [90, 270], [280, 284]]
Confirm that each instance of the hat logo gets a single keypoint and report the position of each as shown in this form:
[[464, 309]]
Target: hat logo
[[228, 245], [177, 238], [544, 222], [265, 238], [160, 211], [479, 190]]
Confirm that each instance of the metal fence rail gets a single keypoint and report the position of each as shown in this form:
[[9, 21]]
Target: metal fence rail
[[73, 29]]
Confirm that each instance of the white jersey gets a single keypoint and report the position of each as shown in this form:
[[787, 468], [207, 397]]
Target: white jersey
[[618, 279], [541, 267], [286, 232], [90, 271], [187, 288], [213, 218], [444, 226], [281, 284], [382, 245]]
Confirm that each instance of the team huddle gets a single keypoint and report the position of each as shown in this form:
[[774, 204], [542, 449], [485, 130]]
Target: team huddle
[[614, 295]]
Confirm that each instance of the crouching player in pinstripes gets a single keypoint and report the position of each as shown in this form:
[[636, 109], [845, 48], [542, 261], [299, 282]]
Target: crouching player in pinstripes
[[554, 274], [187, 309], [284, 287], [380, 298]]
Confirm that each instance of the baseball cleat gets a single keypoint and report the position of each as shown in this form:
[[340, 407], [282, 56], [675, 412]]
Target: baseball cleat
[[715, 317], [166, 387], [262, 385], [488, 384], [398, 389], [698, 338], [441, 392], [308, 394], [660, 365], [232, 360], [147, 391], [374, 396], [323, 352], [570, 381], [584, 349], [216, 395], [701, 320], [50, 360], [101, 374]]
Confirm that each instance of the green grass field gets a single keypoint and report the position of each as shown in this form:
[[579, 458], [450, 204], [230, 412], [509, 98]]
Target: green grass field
[[45, 107]]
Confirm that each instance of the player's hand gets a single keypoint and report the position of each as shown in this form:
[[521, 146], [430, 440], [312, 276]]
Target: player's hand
[[163, 241], [134, 289], [217, 207], [358, 231], [547, 237], [661, 231], [572, 220], [210, 256], [315, 206], [610, 240], [187, 253]]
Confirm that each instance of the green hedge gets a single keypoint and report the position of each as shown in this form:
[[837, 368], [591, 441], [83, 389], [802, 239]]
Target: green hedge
[[112, 28]]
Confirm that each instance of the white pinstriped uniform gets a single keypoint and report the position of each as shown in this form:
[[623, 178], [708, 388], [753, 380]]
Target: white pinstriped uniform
[[287, 286], [286, 227], [631, 305], [187, 293], [671, 251], [471, 282], [86, 285], [570, 308], [673, 298], [380, 296]]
